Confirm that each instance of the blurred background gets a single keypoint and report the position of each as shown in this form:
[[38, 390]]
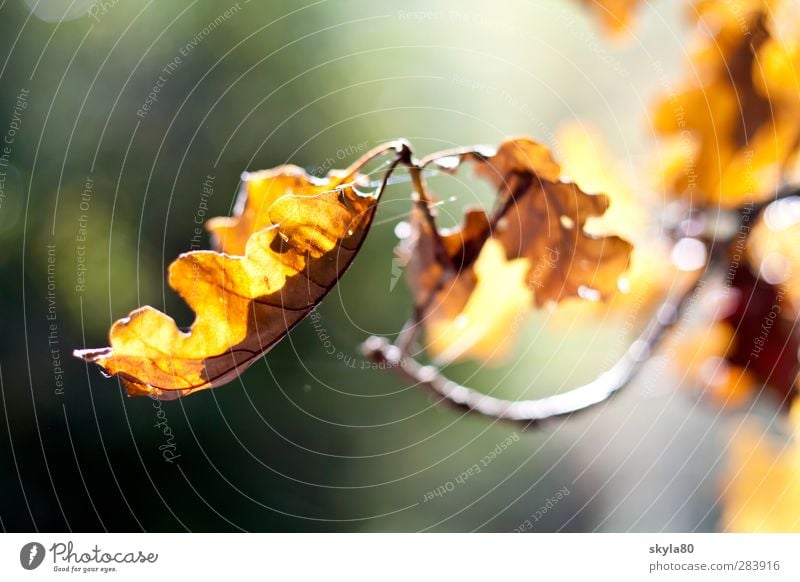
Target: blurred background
[[118, 112]]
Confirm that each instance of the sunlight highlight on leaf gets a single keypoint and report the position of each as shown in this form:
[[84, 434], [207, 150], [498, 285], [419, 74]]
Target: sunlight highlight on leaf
[[761, 491], [292, 238]]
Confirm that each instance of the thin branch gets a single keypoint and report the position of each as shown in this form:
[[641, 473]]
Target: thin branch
[[380, 350], [396, 356]]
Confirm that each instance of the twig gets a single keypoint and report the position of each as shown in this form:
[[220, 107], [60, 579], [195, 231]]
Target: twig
[[397, 358]]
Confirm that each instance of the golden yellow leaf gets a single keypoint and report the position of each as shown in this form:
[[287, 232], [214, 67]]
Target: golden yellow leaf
[[761, 489], [468, 293], [735, 127], [292, 238]]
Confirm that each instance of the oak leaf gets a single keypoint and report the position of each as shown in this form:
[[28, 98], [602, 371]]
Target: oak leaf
[[587, 160], [291, 239], [750, 340], [472, 284]]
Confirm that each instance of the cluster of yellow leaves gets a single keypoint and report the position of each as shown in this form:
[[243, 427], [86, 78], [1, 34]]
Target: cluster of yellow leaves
[[762, 485], [734, 129], [292, 238], [473, 285], [615, 15]]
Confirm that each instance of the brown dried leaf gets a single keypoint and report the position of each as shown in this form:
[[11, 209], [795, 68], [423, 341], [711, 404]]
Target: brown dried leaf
[[735, 127], [587, 160], [291, 240], [465, 288]]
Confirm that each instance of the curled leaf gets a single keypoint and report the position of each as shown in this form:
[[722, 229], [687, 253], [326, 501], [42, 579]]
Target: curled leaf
[[473, 283], [293, 236], [615, 15], [767, 285]]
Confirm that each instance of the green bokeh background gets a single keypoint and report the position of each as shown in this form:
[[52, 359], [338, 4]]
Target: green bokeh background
[[303, 441]]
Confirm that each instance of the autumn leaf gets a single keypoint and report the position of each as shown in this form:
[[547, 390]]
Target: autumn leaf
[[767, 283], [734, 128], [472, 284], [454, 299], [615, 15], [291, 240], [772, 249], [766, 341], [587, 161], [735, 133], [753, 347], [761, 486]]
